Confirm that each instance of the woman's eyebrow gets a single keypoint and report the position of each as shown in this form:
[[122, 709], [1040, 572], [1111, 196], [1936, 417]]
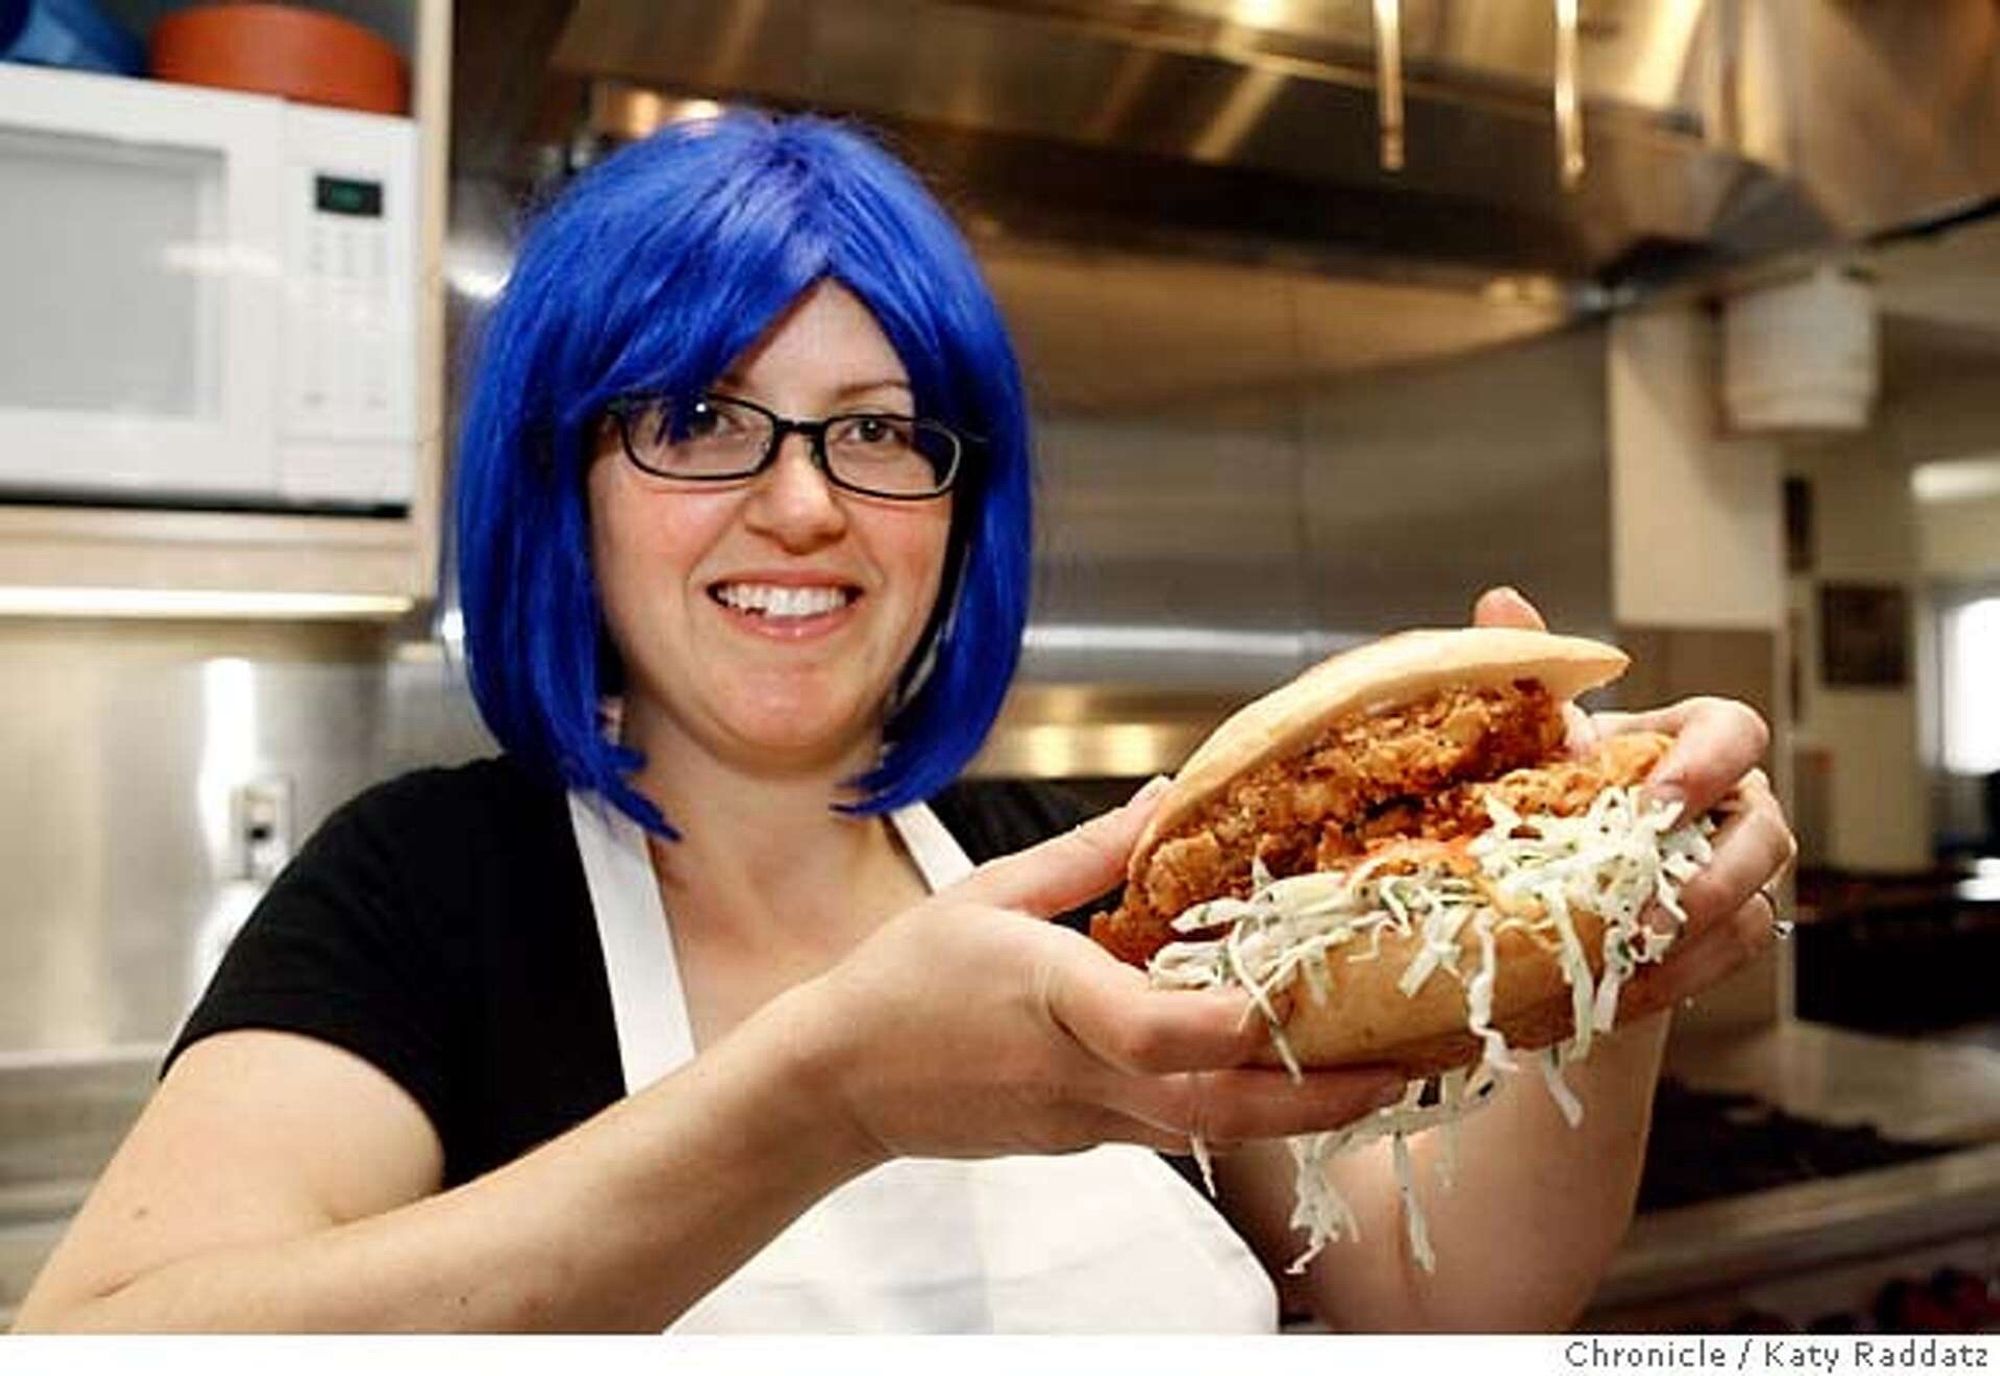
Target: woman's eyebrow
[[855, 389]]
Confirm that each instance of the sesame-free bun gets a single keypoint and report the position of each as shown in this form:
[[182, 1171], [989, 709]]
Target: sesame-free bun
[[1366, 1019], [1379, 676]]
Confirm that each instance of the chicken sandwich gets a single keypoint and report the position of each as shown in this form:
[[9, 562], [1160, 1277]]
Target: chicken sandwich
[[1404, 859]]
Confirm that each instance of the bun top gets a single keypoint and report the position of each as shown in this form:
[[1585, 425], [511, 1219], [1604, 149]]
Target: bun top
[[1381, 675]]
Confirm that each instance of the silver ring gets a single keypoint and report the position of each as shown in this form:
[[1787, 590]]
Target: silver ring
[[1781, 927]]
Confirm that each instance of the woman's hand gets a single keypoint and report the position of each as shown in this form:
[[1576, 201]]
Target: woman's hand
[[1712, 766], [969, 1026]]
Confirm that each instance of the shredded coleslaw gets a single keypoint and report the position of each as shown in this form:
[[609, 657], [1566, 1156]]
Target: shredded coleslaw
[[1534, 873]]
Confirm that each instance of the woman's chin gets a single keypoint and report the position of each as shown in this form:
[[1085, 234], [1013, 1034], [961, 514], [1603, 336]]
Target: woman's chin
[[803, 743], [789, 731]]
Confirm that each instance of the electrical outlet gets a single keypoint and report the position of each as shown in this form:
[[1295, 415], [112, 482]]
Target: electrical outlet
[[264, 837]]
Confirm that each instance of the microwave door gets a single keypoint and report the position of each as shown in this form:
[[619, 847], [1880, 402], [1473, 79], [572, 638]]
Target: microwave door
[[139, 252]]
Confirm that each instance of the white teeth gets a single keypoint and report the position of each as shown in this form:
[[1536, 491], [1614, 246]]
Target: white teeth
[[774, 601]]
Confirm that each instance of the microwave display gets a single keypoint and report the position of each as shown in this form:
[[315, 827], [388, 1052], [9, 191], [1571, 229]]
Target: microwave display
[[346, 196]]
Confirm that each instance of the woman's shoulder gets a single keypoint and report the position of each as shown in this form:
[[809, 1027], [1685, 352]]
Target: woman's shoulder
[[471, 800], [490, 781], [437, 834]]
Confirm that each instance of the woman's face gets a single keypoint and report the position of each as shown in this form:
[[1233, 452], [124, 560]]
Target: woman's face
[[767, 621]]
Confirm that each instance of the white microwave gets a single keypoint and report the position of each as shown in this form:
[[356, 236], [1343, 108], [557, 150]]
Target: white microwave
[[207, 298]]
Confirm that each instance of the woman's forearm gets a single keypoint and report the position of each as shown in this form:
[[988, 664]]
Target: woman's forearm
[[1535, 1210], [621, 1223]]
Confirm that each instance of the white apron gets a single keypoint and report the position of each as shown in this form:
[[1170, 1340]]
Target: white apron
[[1109, 1240]]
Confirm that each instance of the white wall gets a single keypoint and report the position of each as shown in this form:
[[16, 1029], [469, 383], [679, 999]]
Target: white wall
[[1697, 535], [1958, 540], [1865, 527], [1941, 409], [1695, 514]]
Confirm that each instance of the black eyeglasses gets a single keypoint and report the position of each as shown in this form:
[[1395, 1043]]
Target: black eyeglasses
[[718, 439]]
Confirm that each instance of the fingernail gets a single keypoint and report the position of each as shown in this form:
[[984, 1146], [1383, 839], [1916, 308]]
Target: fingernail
[[1152, 788]]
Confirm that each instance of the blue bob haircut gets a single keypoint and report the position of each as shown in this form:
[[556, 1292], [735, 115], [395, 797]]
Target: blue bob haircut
[[652, 272]]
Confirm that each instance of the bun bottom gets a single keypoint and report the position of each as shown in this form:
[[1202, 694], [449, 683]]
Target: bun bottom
[[1365, 1019]]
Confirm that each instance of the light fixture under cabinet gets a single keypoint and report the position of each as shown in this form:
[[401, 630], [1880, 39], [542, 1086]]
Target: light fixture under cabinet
[[198, 604]]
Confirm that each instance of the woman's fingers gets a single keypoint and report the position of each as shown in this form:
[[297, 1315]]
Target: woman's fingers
[[1506, 607], [1716, 741], [1111, 1010], [1067, 870], [1174, 1059], [1700, 960], [1729, 919], [1752, 848]]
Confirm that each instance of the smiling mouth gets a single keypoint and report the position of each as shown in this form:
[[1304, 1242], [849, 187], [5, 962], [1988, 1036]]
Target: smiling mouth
[[772, 602]]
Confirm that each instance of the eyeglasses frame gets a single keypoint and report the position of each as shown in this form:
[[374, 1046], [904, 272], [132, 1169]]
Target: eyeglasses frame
[[623, 408]]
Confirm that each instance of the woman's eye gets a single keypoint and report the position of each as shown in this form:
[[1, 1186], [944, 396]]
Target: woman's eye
[[700, 421], [873, 432]]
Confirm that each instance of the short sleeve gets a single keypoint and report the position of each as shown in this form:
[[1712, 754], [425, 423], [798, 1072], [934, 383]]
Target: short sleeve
[[343, 949]]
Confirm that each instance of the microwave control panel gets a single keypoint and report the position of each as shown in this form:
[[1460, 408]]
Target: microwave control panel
[[344, 307], [349, 401]]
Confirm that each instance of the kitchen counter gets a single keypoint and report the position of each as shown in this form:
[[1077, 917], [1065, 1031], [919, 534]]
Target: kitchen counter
[[1807, 1249], [1917, 1089], [1822, 1246], [61, 1118]]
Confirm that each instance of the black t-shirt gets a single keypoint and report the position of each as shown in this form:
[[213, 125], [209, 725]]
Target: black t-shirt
[[439, 926]]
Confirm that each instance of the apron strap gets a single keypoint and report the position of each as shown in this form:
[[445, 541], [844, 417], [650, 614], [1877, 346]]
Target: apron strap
[[647, 1004], [938, 856]]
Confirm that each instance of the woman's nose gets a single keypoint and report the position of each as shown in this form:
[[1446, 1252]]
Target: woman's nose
[[793, 502]]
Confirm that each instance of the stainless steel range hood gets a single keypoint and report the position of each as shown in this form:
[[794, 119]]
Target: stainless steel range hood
[[1286, 398], [1717, 132]]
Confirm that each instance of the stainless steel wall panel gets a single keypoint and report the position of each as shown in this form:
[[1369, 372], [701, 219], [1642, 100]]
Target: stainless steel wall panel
[[1170, 554], [1424, 485], [428, 715], [118, 835], [1168, 548], [1243, 467]]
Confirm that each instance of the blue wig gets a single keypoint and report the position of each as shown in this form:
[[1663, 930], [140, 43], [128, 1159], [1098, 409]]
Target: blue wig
[[652, 273]]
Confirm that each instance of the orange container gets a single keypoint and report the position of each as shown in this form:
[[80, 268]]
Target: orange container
[[280, 50]]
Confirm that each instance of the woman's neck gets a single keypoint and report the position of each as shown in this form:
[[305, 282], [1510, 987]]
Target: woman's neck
[[759, 846]]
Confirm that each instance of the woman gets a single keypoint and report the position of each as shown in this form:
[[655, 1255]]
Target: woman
[[691, 1011]]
